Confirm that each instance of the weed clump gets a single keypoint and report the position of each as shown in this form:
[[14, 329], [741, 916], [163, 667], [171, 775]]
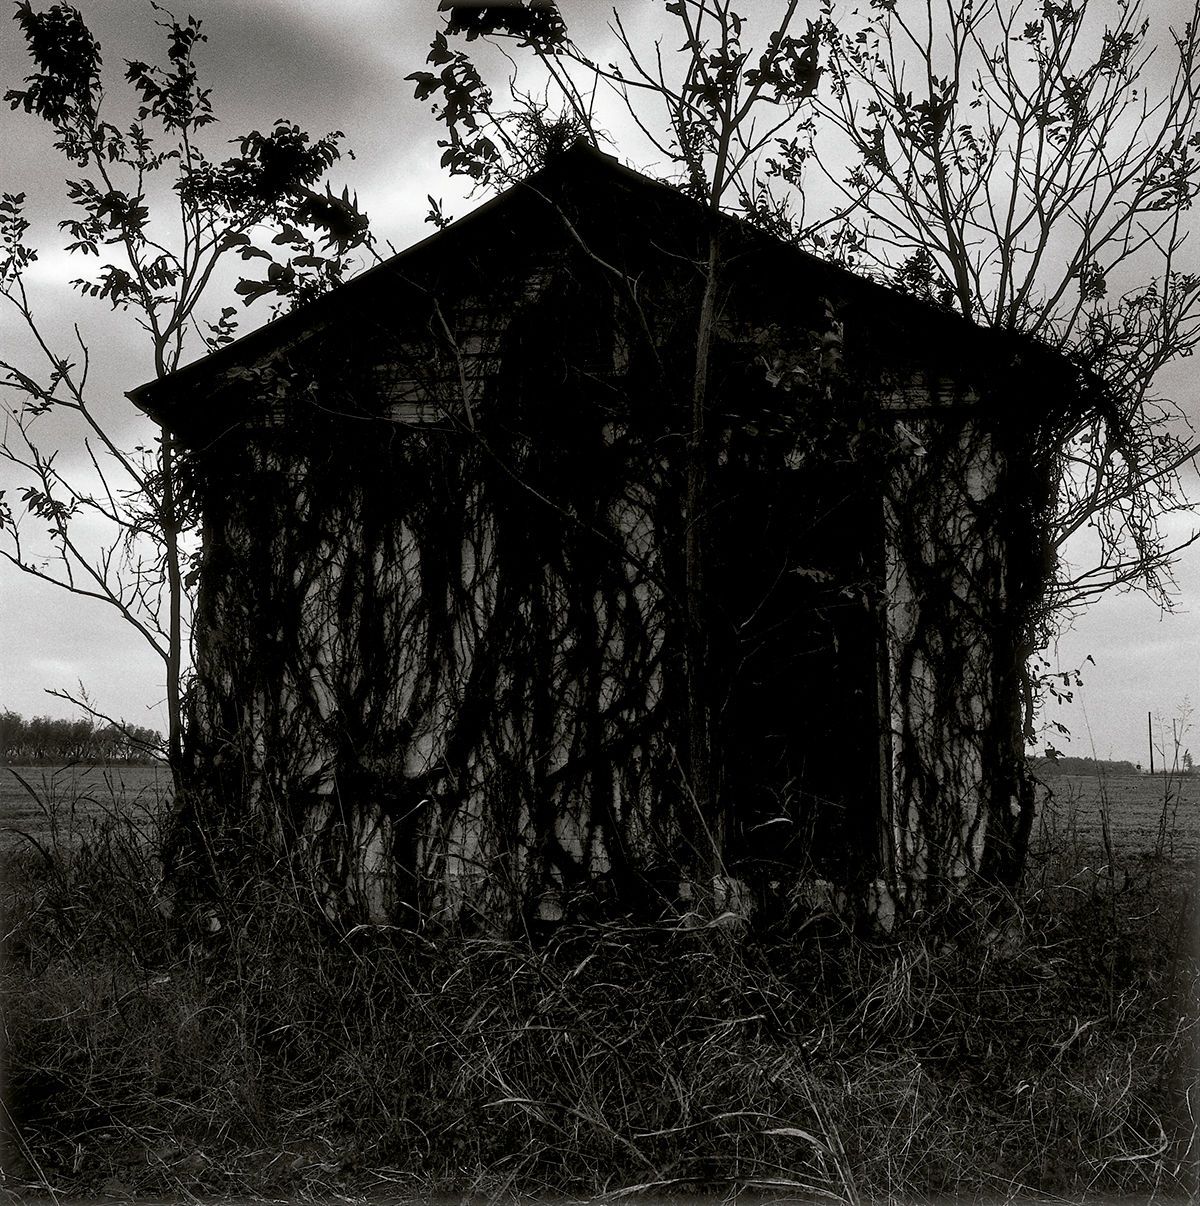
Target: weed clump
[[1052, 1054]]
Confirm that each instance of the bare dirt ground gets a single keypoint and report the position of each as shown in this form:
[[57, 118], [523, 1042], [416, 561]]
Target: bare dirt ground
[[1143, 814], [35, 801]]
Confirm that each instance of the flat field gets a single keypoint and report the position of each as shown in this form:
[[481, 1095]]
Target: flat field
[[41, 802], [1072, 808], [1144, 814]]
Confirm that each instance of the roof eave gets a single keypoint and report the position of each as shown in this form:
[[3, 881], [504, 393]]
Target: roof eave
[[208, 375], [299, 325]]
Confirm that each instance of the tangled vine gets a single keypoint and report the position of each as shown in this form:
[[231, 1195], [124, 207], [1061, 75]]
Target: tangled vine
[[441, 611]]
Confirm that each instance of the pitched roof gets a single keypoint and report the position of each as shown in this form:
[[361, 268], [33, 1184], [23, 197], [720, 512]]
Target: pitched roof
[[588, 177]]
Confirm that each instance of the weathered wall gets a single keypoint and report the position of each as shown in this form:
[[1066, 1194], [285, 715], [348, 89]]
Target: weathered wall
[[439, 630], [966, 508]]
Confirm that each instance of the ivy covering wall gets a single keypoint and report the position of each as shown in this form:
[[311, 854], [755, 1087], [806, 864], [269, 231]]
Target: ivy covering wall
[[440, 623]]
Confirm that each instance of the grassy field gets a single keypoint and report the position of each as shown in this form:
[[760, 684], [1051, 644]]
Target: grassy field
[[1142, 814], [1138, 811], [1037, 1047], [69, 802]]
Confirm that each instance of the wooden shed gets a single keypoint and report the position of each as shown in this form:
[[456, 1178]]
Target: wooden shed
[[445, 614]]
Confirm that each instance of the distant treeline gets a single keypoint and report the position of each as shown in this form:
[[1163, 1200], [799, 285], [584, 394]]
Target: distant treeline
[[55, 742], [1063, 765]]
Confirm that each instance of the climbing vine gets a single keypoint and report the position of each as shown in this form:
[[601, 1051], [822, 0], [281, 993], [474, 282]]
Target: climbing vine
[[442, 602]]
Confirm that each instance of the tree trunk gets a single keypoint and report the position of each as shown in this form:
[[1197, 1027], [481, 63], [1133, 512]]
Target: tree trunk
[[703, 781], [169, 518]]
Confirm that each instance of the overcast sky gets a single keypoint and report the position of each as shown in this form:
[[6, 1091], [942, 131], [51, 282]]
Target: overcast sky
[[341, 65]]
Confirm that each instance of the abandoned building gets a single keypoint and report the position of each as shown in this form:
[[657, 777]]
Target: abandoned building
[[510, 598]]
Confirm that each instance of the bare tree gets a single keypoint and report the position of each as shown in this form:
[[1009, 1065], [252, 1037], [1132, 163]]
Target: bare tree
[[711, 133], [1033, 166], [1029, 165], [151, 198]]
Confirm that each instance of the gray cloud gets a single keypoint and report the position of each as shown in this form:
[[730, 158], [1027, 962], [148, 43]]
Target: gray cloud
[[341, 66]]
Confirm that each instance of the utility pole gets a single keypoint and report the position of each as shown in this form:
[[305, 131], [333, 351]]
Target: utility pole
[[1150, 732]]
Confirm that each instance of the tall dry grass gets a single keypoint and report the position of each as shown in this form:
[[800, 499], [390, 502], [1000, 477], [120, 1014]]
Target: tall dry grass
[[1047, 1047]]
